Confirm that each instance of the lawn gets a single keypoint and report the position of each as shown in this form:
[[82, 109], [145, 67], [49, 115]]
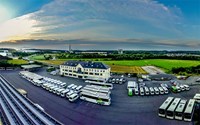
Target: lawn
[[18, 61]]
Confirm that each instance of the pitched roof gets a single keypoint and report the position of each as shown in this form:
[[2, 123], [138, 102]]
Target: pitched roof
[[88, 64]]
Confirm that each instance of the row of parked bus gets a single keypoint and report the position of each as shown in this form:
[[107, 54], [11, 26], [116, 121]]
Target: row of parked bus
[[54, 86], [177, 108], [135, 89], [96, 94]]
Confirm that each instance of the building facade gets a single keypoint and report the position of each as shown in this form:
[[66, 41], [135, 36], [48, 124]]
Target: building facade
[[85, 70]]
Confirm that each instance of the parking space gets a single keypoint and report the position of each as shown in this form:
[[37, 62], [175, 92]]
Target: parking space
[[123, 109]]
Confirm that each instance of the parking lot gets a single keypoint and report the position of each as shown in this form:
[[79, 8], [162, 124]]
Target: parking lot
[[137, 110]]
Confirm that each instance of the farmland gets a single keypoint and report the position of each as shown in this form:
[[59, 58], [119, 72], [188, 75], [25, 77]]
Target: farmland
[[17, 62], [133, 66]]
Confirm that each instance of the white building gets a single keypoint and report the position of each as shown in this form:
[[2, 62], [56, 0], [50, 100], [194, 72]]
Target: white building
[[85, 70], [5, 53]]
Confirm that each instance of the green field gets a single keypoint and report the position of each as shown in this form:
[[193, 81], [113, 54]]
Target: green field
[[17, 62], [162, 63], [165, 64]]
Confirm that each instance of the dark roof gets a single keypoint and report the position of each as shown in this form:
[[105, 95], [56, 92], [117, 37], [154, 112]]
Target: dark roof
[[88, 64]]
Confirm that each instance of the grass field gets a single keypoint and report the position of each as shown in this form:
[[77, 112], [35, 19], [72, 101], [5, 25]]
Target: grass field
[[134, 65], [17, 62]]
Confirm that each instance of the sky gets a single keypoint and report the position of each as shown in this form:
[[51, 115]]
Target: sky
[[100, 24]]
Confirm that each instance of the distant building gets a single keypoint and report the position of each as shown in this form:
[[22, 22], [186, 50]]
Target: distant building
[[27, 50], [120, 51], [85, 70], [5, 53]]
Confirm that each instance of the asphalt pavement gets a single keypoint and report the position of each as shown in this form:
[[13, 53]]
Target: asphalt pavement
[[124, 110]]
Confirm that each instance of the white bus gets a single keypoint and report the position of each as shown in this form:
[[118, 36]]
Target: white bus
[[163, 108], [180, 110], [161, 90], [188, 113], [63, 93], [165, 90], [95, 97], [151, 90], [97, 89], [171, 110], [146, 90], [70, 86], [58, 92], [73, 97], [107, 85], [132, 84], [197, 97], [136, 91], [156, 90], [141, 91]]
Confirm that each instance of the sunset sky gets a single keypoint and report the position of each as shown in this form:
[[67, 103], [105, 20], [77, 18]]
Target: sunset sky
[[101, 24]]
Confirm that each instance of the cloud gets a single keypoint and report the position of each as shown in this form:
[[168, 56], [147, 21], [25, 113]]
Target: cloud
[[127, 18]]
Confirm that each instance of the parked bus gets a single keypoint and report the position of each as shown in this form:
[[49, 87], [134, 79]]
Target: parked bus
[[95, 97], [141, 91], [161, 90], [73, 97], [197, 97], [136, 91], [151, 90], [156, 90], [146, 90], [107, 85], [188, 113], [63, 93], [180, 110], [97, 89], [165, 90], [163, 108], [171, 110]]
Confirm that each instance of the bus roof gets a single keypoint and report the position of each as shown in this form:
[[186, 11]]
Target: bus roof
[[190, 106], [181, 106], [174, 104], [166, 103]]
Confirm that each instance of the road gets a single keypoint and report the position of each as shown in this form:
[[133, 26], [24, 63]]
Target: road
[[135, 110]]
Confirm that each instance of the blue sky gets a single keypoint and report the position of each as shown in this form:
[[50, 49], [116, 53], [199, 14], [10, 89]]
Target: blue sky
[[101, 24]]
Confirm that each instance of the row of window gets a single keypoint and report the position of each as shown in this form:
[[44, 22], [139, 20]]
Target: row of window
[[74, 68], [97, 74]]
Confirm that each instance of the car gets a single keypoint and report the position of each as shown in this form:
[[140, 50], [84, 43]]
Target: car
[[130, 92]]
